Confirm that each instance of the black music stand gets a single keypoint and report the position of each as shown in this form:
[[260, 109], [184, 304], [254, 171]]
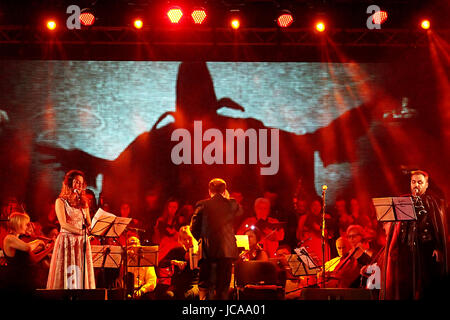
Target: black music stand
[[394, 209], [106, 256], [141, 256], [302, 263], [105, 224]]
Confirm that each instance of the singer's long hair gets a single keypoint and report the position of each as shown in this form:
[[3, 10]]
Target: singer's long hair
[[67, 193]]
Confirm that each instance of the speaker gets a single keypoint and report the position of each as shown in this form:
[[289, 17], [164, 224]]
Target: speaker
[[71, 294], [337, 294]]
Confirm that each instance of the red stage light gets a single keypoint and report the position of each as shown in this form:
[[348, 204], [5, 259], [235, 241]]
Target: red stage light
[[51, 24], [235, 24], [320, 26], [285, 20], [87, 18], [425, 24], [175, 14], [138, 23], [198, 15], [379, 17]]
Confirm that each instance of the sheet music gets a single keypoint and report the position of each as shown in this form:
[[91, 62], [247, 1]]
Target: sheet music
[[120, 223], [306, 257], [103, 219], [102, 215]]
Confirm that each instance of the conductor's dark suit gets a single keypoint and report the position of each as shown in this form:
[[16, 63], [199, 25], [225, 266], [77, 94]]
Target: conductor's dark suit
[[212, 222]]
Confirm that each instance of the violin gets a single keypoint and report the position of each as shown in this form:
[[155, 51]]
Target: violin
[[251, 254], [29, 238], [341, 277]]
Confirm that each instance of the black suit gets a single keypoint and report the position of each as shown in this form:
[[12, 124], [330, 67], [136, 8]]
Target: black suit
[[213, 222]]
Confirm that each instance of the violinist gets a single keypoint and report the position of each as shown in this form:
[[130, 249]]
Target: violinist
[[22, 256], [256, 251], [271, 231], [347, 272], [184, 282], [343, 247]]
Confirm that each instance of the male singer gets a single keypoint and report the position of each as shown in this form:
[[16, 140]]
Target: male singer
[[416, 256]]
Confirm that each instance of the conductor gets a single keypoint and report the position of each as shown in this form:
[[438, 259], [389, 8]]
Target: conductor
[[212, 224]]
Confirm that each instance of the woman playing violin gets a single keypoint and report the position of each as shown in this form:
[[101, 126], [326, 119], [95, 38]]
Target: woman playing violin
[[21, 256]]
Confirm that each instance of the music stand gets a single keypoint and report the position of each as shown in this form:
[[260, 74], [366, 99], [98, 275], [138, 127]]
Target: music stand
[[143, 256], [106, 256], [108, 225], [302, 263], [394, 209]]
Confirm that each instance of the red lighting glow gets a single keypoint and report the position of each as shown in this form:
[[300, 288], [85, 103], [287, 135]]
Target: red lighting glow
[[138, 23], [175, 15], [320, 26], [285, 20], [51, 24], [235, 24], [425, 24], [379, 17], [87, 18], [198, 15]]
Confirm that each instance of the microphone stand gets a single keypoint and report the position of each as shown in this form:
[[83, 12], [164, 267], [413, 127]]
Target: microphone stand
[[84, 251], [323, 237]]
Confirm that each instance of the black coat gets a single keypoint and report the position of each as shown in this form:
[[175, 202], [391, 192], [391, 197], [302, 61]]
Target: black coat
[[212, 223]]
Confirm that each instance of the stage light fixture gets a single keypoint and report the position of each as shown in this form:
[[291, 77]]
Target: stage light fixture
[[175, 14], [425, 24], [198, 15], [285, 19], [87, 17], [51, 24], [379, 17], [138, 23], [235, 23], [320, 26]]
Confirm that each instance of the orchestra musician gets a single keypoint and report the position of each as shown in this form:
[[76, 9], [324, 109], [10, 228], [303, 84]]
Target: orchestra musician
[[343, 247], [184, 261], [144, 277], [21, 256], [270, 228], [347, 272], [256, 251]]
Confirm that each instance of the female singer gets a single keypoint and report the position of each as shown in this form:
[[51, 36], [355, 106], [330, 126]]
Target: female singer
[[72, 257], [21, 256]]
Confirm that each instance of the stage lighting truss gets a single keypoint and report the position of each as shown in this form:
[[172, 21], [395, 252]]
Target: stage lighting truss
[[207, 36]]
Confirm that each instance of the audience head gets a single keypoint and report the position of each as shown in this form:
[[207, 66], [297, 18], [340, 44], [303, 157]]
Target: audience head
[[315, 206], [125, 209], [262, 208]]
